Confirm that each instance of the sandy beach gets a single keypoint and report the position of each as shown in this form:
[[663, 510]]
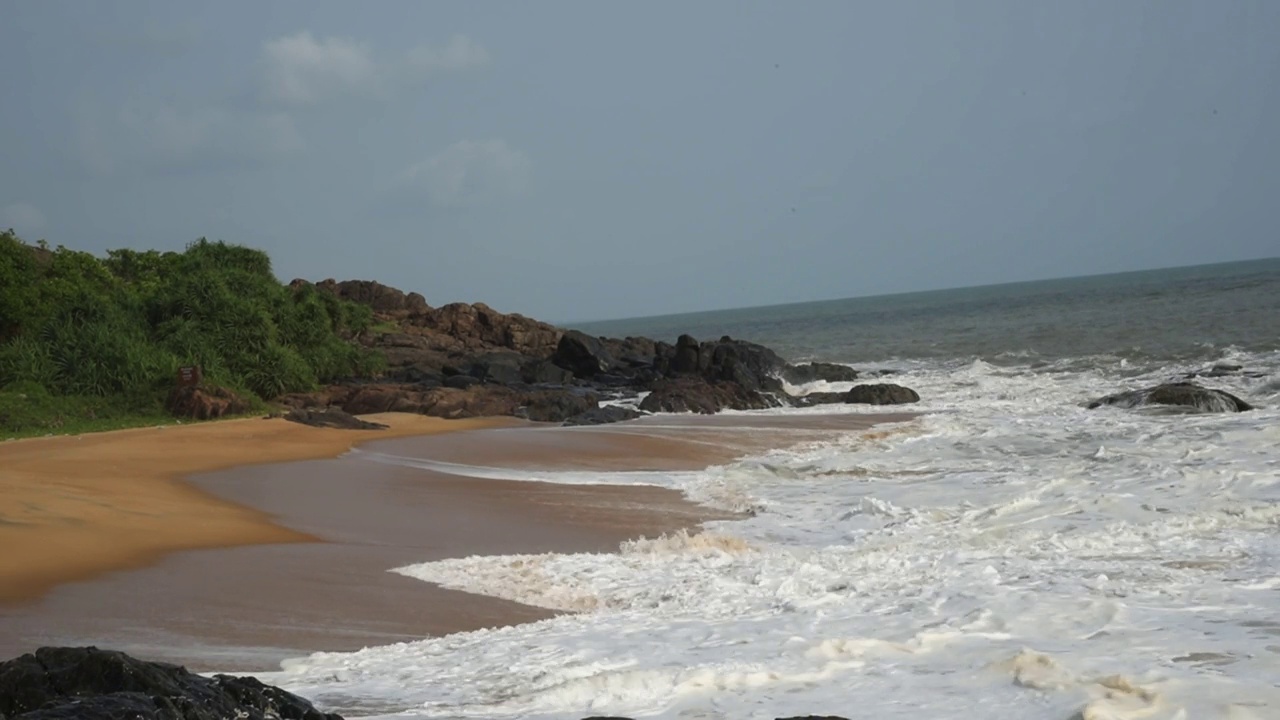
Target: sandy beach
[[216, 571], [72, 507]]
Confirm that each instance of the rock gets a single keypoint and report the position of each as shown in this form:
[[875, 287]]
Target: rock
[[556, 405], [687, 358], [545, 372], [881, 394], [815, 371], [582, 355], [204, 402], [503, 367], [461, 382], [91, 684], [333, 418], [1180, 394], [818, 398], [382, 298], [700, 396], [604, 415], [1224, 370]]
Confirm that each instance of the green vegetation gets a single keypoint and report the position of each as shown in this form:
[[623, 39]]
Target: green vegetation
[[90, 343]]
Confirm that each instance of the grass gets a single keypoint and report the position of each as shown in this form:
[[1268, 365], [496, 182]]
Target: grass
[[32, 412]]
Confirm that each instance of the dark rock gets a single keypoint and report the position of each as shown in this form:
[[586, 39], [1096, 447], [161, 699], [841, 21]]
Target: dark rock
[[332, 417], [1181, 394], [700, 396], [381, 298], [818, 398], [421, 375], [461, 382], [1224, 370], [604, 415], [545, 372], [687, 359], [815, 371], [556, 405], [204, 402], [581, 354], [92, 684], [499, 367], [881, 394]]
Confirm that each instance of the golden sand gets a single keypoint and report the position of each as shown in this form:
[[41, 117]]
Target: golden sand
[[74, 507]]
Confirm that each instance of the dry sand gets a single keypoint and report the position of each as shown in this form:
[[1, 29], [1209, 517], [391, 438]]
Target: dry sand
[[75, 506]]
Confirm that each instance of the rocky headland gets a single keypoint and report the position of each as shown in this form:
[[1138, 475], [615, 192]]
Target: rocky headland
[[469, 360]]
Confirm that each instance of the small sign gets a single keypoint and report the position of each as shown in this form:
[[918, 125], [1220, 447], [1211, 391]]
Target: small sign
[[190, 375]]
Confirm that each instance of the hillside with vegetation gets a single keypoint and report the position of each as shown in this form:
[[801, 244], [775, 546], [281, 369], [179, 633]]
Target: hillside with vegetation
[[90, 343]]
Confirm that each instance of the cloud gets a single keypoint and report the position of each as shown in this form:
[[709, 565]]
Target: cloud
[[300, 70], [22, 217], [171, 137], [469, 172]]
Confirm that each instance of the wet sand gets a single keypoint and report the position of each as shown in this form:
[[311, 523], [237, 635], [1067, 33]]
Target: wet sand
[[248, 608]]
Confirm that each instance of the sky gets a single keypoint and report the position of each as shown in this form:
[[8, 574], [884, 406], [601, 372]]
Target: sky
[[589, 160]]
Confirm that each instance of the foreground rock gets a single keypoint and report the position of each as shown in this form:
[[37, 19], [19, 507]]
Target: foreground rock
[[331, 418], [604, 415], [91, 684], [1182, 394], [815, 371], [204, 402]]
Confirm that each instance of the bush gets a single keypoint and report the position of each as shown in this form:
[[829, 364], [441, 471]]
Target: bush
[[119, 327]]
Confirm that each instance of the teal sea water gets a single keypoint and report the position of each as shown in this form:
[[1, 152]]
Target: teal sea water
[[1150, 316]]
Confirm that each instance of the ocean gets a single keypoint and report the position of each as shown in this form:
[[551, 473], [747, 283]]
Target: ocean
[[1007, 554]]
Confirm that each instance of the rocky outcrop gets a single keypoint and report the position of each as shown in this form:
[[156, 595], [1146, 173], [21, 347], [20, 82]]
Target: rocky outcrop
[[204, 402], [381, 298], [91, 684], [696, 395], [881, 394], [1183, 395], [477, 400], [582, 355], [332, 418]]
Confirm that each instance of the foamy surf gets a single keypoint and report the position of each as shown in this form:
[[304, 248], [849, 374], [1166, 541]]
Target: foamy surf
[[1009, 555]]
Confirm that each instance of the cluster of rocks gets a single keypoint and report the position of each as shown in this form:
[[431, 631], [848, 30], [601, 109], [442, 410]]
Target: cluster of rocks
[[468, 360], [85, 683]]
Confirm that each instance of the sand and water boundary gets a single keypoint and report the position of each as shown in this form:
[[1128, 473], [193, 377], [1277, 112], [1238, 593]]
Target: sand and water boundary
[[234, 545]]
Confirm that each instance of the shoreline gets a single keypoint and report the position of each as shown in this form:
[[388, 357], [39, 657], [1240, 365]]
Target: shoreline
[[75, 507], [245, 607]]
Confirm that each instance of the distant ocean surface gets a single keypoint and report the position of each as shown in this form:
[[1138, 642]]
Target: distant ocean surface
[[1008, 555]]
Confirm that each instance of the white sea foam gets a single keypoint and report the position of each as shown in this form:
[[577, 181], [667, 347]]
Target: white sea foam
[[1009, 555]]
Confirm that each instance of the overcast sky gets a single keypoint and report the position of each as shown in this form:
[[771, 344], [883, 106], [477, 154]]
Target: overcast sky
[[585, 160]]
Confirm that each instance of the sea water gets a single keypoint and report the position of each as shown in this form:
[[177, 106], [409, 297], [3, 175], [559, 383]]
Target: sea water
[[1008, 554]]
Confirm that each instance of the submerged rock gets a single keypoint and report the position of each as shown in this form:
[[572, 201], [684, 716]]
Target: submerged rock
[[881, 394], [1180, 394], [91, 684]]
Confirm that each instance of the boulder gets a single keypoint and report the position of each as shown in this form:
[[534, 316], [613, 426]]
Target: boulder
[[604, 415], [556, 405], [818, 398], [461, 382], [503, 367], [581, 354], [1181, 394], [91, 684], [700, 396], [545, 372], [881, 394], [382, 298], [332, 418], [204, 402], [815, 371]]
